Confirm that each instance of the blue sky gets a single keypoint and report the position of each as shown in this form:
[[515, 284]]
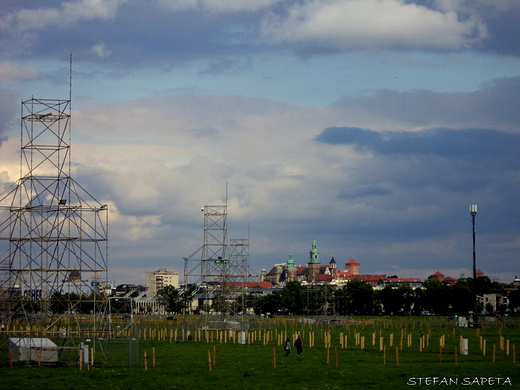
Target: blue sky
[[368, 125]]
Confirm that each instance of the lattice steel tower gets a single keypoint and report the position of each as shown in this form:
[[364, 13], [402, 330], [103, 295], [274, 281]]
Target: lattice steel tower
[[222, 268], [54, 234]]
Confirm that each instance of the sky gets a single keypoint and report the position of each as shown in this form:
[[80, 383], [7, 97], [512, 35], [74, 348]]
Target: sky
[[369, 126]]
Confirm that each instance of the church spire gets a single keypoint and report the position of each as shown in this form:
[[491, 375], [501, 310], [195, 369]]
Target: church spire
[[314, 254], [290, 263]]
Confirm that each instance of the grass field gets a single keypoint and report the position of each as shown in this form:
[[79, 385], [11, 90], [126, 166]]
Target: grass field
[[328, 364]]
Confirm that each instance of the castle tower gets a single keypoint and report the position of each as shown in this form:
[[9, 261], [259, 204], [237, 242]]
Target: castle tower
[[352, 267], [333, 268], [291, 269], [313, 267]]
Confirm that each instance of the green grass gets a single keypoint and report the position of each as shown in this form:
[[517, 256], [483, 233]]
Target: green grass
[[183, 365]]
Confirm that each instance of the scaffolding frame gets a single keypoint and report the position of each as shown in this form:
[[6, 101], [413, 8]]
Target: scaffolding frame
[[221, 272], [53, 235]]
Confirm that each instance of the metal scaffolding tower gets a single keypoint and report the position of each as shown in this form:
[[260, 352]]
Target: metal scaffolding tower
[[53, 233], [220, 274]]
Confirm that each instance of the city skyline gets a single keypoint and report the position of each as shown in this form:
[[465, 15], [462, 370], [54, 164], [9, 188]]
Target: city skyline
[[369, 126]]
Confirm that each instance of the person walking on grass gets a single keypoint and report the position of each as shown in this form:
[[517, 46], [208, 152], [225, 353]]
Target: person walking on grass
[[298, 345], [287, 347]]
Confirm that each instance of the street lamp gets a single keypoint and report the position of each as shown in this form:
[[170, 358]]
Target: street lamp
[[473, 212]]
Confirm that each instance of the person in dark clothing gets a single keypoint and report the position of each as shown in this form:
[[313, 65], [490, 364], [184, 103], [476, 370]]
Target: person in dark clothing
[[298, 345], [287, 347]]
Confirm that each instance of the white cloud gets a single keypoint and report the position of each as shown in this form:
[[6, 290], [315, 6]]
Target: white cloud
[[11, 73], [377, 24], [100, 50]]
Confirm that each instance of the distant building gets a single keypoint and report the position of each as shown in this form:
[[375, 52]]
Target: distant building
[[452, 281], [412, 282], [352, 267], [437, 276], [159, 279], [313, 266], [315, 272]]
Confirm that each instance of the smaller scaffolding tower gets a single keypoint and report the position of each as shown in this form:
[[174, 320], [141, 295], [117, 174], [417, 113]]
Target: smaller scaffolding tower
[[220, 274]]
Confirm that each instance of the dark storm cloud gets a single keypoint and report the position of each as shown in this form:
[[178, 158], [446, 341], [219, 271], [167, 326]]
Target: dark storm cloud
[[454, 161], [141, 34], [363, 192], [494, 105], [463, 144], [500, 19], [503, 28], [441, 168]]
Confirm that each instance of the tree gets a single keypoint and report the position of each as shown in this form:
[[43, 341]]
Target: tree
[[481, 285], [514, 299], [270, 303], [292, 297], [462, 298], [436, 297], [360, 297], [418, 301], [393, 299], [169, 297]]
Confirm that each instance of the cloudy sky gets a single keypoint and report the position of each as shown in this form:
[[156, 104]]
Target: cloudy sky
[[368, 125]]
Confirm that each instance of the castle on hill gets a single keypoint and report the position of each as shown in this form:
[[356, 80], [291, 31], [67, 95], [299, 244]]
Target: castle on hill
[[315, 272]]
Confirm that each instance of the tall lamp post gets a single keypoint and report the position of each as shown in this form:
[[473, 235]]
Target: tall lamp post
[[473, 212]]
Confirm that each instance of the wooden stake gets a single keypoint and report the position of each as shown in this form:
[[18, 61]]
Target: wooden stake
[[80, 359], [209, 360], [214, 356], [336, 357], [274, 357], [456, 355], [397, 356], [153, 356], [145, 361]]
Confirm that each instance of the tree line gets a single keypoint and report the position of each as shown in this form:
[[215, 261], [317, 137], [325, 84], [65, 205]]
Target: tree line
[[359, 298]]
